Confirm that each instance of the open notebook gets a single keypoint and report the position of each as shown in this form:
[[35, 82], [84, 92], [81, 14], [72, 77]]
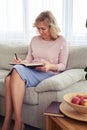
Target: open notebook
[[35, 64]]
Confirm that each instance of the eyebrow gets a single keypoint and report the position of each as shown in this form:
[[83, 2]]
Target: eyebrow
[[43, 28]]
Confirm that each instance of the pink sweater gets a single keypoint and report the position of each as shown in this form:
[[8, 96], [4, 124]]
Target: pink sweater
[[55, 51]]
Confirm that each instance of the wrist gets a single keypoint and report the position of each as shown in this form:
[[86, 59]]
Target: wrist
[[54, 67]]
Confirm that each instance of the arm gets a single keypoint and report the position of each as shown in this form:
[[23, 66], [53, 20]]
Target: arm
[[63, 57], [62, 60]]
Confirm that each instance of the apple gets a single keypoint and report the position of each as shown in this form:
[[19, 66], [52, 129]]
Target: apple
[[81, 97], [83, 102], [80, 100], [75, 100], [85, 97]]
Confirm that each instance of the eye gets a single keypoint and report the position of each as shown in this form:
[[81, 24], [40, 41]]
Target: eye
[[38, 28], [43, 29]]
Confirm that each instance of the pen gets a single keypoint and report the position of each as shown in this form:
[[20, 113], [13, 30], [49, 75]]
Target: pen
[[16, 56]]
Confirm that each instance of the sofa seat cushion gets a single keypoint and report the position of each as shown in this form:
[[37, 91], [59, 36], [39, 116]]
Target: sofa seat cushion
[[61, 81], [2, 87], [31, 96], [3, 73]]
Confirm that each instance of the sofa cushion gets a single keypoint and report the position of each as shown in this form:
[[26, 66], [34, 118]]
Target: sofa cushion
[[7, 51], [31, 96], [3, 73], [61, 81], [2, 87], [77, 57]]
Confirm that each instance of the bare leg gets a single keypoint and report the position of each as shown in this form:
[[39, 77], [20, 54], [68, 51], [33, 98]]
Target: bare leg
[[17, 91], [8, 106]]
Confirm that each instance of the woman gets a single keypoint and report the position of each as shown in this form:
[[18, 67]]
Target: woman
[[49, 48]]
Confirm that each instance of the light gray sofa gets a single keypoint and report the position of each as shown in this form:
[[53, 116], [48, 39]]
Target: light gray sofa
[[37, 98]]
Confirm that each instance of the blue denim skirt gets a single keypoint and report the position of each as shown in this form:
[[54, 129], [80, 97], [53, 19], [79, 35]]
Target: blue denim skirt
[[31, 76]]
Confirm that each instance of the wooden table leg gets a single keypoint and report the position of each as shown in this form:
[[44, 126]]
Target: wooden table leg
[[50, 124]]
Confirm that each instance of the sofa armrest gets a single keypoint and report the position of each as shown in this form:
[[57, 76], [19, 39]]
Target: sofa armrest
[[61, 81]]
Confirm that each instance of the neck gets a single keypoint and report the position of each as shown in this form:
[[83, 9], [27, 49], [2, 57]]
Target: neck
[[48, 38]]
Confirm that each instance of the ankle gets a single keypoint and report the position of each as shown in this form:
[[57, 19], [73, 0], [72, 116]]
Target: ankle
[[5, 127], [18, 125]]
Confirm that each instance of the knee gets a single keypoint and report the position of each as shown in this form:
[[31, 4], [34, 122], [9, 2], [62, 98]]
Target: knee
[[14, 72], [7, 83], [15, 75], [7, 79]]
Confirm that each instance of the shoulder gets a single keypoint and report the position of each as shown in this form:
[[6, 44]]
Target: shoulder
[[35, 41], [61, 38], [35, 38], [62, 42]]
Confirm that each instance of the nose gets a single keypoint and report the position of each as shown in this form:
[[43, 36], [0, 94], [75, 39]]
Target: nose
[[41, 31]]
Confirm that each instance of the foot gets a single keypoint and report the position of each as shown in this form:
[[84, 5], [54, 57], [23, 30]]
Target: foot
[[6, 126], [18, 126]]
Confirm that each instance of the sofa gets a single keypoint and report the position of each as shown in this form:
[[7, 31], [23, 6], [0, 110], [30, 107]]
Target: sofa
[[52, 89]]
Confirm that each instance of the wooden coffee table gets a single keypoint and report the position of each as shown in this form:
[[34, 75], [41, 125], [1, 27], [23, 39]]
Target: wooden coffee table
[[64, 123]]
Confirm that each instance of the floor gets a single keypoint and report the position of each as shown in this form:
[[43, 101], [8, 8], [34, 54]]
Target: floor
[[27, 127]]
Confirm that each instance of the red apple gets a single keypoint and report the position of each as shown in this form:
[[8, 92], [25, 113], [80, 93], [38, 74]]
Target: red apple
[[83, 102], [75, 100], [81, 97], [85, 97]]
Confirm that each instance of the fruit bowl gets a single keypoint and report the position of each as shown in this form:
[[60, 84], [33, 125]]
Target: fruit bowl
[[78, 101]]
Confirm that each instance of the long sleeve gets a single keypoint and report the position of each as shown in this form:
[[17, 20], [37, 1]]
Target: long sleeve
[[55, 51], [63, 57]]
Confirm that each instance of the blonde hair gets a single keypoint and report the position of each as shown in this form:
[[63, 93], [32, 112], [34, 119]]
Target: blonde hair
[[50, 21]]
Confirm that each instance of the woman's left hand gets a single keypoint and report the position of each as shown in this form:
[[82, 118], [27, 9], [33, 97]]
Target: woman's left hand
[[45, 67]]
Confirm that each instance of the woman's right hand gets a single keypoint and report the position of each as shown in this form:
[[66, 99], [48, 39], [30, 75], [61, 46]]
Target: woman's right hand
[[14, 60]]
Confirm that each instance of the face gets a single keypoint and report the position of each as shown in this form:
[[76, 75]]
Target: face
[[44, 30]]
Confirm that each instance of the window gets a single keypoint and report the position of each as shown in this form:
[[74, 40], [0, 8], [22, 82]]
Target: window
[[79, 16], [76, 22], [11, 16], [11, 19], [34, 7], [17, 18]]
